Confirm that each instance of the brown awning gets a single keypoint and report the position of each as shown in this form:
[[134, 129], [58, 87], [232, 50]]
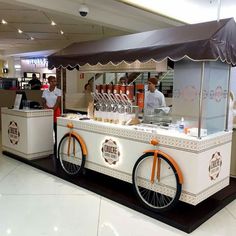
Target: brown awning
[[201, 42]]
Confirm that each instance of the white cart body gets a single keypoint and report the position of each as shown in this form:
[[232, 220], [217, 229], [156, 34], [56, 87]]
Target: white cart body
[[205, 163]]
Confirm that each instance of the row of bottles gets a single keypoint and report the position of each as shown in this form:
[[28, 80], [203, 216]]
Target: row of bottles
[[114, 108], [128, 90]]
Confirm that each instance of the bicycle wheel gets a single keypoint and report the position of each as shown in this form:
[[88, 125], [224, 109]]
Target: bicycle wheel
[[72, 160], [163, 193]]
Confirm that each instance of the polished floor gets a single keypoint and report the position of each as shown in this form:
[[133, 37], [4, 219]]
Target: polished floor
[[35, 203]]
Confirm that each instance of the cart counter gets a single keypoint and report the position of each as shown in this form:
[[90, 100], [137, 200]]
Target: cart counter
[[114, 149], [27, 133]]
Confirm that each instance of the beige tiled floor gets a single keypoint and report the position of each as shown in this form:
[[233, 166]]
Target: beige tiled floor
[[34, 203]]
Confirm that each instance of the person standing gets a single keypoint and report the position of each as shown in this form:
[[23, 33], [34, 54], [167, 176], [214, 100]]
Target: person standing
[[52, 100], [153, 98], [35, 83]]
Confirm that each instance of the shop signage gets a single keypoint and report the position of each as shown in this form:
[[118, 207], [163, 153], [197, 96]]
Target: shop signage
[[13, 132], [110, 151], [215, 165]]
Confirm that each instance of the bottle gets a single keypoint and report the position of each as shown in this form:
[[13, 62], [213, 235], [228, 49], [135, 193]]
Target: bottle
[[181, 125]]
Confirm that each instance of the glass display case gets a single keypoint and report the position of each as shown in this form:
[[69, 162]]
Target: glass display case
[[200, 98], [200, 95]]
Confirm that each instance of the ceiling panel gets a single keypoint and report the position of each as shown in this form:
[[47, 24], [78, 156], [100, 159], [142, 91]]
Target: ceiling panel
[[24, 16], [34, 17], [35, 27]]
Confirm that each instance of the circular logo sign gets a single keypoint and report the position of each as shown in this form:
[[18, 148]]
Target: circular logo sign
[[189, 93], [110, 151], [215, 165], [218, 93], [13, 132]]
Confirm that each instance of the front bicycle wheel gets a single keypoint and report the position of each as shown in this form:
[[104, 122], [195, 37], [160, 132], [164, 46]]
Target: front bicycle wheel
[[164, 192], [71, 155]]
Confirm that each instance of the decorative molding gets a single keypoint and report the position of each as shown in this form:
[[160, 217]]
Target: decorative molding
[[31, 156], [194, 199], [187, 197], [27, 113], [166, 138]]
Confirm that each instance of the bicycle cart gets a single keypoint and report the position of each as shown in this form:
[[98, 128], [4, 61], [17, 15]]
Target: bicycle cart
[[187, 169]]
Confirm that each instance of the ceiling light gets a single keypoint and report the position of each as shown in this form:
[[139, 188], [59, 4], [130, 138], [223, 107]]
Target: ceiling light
[[53, 23], [20, 31], [61, 32], [3, 22]]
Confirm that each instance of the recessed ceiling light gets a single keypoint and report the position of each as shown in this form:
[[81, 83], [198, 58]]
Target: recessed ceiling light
[[3, 22], [20, 31], [61, 32], [53, 23]]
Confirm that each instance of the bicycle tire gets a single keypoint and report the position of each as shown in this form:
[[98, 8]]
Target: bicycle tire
[[152, 195], [71, 164]]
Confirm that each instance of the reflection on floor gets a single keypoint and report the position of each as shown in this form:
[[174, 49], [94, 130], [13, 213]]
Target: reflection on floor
[[33, 202]]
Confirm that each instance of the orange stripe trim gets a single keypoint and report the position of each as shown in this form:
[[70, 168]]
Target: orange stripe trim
[[179, 172], [68, 149], [154, 163], [83, 146]]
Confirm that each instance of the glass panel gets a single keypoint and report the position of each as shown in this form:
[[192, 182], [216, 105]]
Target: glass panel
[[186, 88], [215, 92], [186, 91]]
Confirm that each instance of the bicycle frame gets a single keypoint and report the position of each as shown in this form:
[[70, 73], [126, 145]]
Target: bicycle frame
[[157, 162], [83, 146]]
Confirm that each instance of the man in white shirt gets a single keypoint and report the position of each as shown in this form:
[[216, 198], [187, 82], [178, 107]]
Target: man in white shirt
[[52, 100], [153, 98]]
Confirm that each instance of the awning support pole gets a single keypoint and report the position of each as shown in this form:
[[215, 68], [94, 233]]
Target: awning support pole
[[62, 89], [228, 101], [200, 100]]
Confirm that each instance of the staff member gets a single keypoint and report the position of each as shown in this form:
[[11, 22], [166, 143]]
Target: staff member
[[35, 83], [153, 98], [52, 100]]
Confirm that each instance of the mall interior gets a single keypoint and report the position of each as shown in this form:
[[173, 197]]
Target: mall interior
[[89, 46]]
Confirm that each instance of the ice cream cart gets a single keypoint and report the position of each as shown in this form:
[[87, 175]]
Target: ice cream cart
[[163, 164]]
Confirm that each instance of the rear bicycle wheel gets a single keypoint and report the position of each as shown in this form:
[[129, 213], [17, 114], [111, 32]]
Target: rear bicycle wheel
[[71, 155], [163, 193]]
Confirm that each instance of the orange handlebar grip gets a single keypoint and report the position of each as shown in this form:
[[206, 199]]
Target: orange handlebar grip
[[154, 142], [70, 125]]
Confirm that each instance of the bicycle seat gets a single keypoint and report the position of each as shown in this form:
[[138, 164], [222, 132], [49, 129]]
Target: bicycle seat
[[154, 142]]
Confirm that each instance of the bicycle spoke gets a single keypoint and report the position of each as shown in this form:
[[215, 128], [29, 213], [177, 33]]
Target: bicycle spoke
[[71, 163], [165, 189]]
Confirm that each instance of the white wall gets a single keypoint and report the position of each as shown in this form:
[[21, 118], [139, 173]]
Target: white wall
[[71, 81], [75, 81]]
